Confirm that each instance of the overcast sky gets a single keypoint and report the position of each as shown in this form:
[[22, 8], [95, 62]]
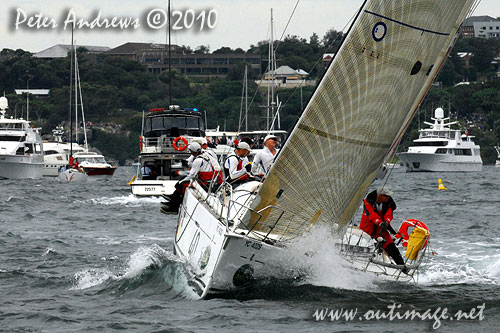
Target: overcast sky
[[240, 23]]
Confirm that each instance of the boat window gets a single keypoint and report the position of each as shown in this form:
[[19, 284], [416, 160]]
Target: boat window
[[441, 151], [431, 143], [157, 123], [11, 126], [466, 152], [29, 149], [147, 125], [51, 152], [38, 149], [11, 138]]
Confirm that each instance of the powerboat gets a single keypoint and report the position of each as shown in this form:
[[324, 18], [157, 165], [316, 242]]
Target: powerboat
[[21, 148], [94, 164], [442, 149], [167, 132]]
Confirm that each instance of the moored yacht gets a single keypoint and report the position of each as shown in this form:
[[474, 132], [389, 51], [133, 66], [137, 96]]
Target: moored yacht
[[21, 153], [166, 135], [442, 149], [94, 164]]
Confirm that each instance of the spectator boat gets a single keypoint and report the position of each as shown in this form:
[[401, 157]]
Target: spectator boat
[[163, 148], [442, 149], [21, 152]]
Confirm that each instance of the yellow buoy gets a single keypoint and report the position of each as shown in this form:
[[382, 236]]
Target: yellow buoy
[[131, 181], [440, 185]]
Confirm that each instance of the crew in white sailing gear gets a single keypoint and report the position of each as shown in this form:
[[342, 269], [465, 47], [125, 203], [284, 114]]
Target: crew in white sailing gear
[[204, 146], [236, 166], [204, 167], [264, 159]]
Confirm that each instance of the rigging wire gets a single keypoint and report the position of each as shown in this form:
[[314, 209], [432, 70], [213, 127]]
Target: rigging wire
[[340, 36]]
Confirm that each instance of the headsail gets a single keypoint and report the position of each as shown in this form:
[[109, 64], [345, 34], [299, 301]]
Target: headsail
[[358, 112]]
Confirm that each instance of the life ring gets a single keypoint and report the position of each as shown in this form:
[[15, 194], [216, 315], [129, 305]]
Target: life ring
[[180, 147], [403, 230]]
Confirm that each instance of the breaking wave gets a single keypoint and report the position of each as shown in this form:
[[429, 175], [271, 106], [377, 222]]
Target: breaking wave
[[147, 268]]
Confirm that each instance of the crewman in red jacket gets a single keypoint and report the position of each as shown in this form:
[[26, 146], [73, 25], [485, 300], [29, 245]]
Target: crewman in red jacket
[[376, 221]]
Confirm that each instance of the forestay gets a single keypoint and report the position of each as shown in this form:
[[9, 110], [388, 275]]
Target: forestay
[[358, 113]]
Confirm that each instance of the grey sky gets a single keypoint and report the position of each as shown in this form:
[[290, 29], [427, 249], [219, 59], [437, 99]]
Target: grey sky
[[240, 22]]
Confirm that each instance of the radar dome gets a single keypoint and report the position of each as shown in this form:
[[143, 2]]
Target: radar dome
[[4, 104], [439, 113]]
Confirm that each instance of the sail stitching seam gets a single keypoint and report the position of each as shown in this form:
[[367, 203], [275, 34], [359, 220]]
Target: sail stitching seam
[[340, 138]]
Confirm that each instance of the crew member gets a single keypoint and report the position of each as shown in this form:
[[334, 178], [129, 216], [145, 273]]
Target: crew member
[[236, 166], [264, 158], [204, 167], [376, 221]]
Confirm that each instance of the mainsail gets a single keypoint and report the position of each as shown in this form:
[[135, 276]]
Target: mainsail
[[358, 113]]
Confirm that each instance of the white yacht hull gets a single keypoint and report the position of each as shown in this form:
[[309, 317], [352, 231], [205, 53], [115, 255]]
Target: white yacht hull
[[72, 176], [151, 188], [220, 260], [21, 167], [52, 169], [423, 162]]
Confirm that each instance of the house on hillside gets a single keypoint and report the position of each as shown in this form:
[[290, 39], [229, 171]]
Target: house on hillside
[[287, 77], [481, 27], [156, 59]]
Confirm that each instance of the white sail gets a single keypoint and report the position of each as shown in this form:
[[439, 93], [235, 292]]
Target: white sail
[[357, 114]]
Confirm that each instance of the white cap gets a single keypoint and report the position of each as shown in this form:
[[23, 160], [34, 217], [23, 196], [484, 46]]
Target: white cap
[[243, 145], [204, 141], [270, 136], [197, 140], [384, 190], [194, 147]]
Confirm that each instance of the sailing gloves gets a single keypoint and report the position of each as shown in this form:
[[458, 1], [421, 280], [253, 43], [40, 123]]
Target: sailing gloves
[[248, 167], [384, 225]]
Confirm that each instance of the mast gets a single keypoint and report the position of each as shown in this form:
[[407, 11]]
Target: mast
[[75, 77], [273, 67], [246, 98], [169, 59], [70, 96]]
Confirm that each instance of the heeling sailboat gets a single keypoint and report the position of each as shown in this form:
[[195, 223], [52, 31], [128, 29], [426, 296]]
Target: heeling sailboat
[[349, 128]]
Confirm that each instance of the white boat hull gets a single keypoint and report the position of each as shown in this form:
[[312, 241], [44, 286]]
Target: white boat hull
[[220, 260], [21, 167], [52, 169], [422, 162], [72, 176], [150, 188]]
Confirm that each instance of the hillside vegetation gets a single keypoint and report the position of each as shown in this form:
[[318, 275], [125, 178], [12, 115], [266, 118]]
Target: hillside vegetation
[[116, 91]]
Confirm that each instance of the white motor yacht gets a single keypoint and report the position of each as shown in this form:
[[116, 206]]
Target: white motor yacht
[[21, 153], [442, 149]]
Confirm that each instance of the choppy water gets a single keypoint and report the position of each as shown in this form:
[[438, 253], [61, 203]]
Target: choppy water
[[93, 258]]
